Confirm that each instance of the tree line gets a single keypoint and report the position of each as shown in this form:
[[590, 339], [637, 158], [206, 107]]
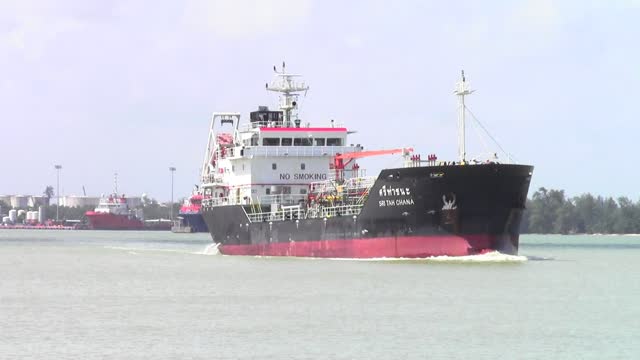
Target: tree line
[[550, 211]]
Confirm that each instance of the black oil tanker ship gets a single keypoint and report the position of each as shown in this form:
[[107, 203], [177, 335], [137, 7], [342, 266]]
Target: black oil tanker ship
[[278, 187]]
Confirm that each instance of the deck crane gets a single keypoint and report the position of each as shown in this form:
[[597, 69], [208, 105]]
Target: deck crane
[[339, 162]]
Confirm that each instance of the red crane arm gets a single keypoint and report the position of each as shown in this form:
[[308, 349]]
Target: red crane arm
[[361, 154], [340, 161]]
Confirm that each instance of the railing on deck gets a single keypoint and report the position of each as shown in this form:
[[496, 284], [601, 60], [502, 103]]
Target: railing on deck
[[350, 187], [293, 212], [296, 151], [212, 179], [281, 124], [296, 212], [218, 201], [326, 199], [332, 211], [282, 199]]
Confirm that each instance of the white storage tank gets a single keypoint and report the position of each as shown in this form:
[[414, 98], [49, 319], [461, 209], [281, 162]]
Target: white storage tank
[[6, 199], [38, 200], [41, 218], [22, 212], [19, 201], [79, 201], [13, 216], [134, 202]]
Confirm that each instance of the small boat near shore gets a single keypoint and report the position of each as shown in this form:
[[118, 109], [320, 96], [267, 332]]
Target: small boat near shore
[[190, 216], [113, 213]]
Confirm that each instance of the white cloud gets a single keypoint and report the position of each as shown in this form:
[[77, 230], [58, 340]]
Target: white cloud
[[538, 15], [30, 26], [354, 41], [246, 18], [551, 15]]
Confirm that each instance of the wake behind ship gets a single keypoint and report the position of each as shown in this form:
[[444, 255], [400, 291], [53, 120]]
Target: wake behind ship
[[280, 187]]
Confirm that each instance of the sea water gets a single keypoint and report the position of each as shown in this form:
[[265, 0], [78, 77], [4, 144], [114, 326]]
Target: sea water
[[158, 295]]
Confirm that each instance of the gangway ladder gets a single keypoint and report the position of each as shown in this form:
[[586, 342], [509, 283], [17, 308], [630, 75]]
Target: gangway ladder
[[255, 207], [364, 195]]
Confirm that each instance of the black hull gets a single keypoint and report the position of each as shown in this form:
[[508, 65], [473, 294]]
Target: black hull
[[409, 212]]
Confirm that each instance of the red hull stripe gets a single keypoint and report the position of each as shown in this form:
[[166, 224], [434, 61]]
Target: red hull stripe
[[304, 129], [103, 221], [390, 247]]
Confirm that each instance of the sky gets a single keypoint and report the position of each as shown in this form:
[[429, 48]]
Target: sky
[[128, 86]]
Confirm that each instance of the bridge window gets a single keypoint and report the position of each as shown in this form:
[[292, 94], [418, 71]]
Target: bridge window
[[287, 142], [274, 166], [271, 142], [319, 141], [334, 142], [302, 142], [302, 166], [267, 191]]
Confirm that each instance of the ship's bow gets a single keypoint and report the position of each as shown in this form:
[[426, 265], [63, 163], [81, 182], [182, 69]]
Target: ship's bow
[[477, 208]]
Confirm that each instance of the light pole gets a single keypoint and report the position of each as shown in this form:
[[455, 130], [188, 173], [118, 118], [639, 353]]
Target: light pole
[[173, 170], [58, 167]]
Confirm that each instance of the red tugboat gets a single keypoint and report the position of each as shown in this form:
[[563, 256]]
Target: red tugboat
[[113, 213], [189, 217], [277, 186]]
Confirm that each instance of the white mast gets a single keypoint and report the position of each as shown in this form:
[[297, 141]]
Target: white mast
[[462, 89], [115, 183], [285, 84]]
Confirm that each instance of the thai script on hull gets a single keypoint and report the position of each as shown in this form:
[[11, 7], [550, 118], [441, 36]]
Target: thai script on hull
[[394, 191]]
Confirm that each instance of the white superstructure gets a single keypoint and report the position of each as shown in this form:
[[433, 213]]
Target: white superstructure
[[275, 156], [113, 204]]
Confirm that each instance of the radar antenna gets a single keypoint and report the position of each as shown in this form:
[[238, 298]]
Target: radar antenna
[[285, 84]]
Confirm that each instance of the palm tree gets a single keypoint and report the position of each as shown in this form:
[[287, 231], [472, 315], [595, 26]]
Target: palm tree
[[48, 192]]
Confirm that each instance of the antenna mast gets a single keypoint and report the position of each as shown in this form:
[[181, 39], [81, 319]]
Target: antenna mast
[[284, 83], [115, 182], [462, 89]]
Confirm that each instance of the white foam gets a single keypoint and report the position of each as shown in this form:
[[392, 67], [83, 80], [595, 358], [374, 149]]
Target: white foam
[[211, 249], [136, 250], [490, 257], [493, 256]]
